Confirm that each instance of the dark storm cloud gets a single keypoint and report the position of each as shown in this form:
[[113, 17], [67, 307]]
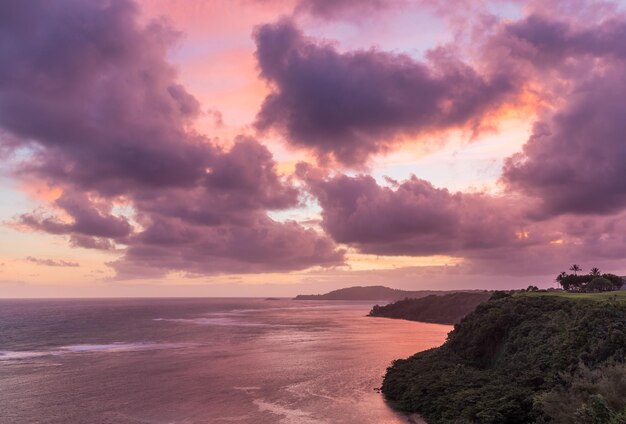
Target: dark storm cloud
[[90, 101], [352, 105]]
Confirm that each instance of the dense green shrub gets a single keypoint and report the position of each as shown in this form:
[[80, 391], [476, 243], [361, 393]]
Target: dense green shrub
[[588, 396], [499, 360], [599, 284], [582, 283]]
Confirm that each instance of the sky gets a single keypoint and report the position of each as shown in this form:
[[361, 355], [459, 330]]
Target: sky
[[277, 147]]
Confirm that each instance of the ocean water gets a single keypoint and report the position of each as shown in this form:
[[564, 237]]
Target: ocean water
[[187, 361]]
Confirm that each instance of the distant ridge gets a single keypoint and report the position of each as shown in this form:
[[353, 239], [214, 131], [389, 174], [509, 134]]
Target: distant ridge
[[373, 293], [449, 308]]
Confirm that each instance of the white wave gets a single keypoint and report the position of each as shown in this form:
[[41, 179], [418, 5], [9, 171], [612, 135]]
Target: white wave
[[226, 321], [7, 355], [247, 388], [288, 416], [213, 321], [120, 347]]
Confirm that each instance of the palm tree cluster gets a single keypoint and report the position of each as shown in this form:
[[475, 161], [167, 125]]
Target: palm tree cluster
[[594, 281]]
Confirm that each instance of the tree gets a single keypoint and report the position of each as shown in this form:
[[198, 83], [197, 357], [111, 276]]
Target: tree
[[575, 268], [564, 280], [595, 271], [616, 280], [599, 284]]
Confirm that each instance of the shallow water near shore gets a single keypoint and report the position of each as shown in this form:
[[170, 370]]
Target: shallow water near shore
[[200, 361]]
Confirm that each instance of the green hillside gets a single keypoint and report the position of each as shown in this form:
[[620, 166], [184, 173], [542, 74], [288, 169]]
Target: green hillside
[[618, 295], [528, 358]]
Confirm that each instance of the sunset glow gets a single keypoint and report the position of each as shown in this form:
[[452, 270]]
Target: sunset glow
[[170, 148]]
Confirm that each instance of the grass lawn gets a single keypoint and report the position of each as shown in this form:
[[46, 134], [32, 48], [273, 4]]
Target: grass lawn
[[619, 295]]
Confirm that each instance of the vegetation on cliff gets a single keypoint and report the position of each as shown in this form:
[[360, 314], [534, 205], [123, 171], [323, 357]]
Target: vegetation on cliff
[[593, 282], [590, 283], [445, 309], [528, 358]]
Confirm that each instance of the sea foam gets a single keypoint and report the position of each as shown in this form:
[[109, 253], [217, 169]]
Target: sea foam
[[6, 355]]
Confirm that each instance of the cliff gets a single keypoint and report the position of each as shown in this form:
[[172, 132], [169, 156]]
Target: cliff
[[521, 359], [445, 309]]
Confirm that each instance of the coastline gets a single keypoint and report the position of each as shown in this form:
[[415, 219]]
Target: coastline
[[514, 354], [416, 419]]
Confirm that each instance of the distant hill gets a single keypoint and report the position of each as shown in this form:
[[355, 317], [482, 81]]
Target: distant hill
[[450, 308], [370, 293]]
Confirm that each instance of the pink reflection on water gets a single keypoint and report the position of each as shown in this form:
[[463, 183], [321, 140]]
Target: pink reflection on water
[[334, 358], [215, 361]]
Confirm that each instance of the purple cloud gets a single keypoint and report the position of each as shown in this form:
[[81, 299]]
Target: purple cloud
[[349, 106], [413, 218], [260, 246], [110, 113], [564, 195], [492, 234], [87, 242], [332, 9], [90, 102], [52, 262], [88, 220], [87, 92], [574, 161]]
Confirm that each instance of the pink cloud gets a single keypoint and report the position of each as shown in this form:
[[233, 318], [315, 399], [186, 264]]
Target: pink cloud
[[349, 106], [103, 117], [97, 110], [52, 262]]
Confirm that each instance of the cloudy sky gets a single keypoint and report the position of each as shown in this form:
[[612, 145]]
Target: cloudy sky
[[275, 147]]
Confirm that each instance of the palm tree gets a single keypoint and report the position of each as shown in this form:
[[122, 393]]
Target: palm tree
[[575, 268], [562, 280], [595, 271]]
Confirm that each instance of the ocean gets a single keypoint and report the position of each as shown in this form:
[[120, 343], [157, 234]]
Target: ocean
[[187, 361]]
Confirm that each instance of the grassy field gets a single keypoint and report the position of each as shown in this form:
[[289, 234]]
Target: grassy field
[[619, 295]]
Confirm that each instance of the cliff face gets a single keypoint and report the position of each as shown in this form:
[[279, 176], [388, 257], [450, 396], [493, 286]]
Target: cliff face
[[445, 309], [506, 361]]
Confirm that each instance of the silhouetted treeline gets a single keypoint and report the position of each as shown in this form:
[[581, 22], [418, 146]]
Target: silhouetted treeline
[[589, 283]]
